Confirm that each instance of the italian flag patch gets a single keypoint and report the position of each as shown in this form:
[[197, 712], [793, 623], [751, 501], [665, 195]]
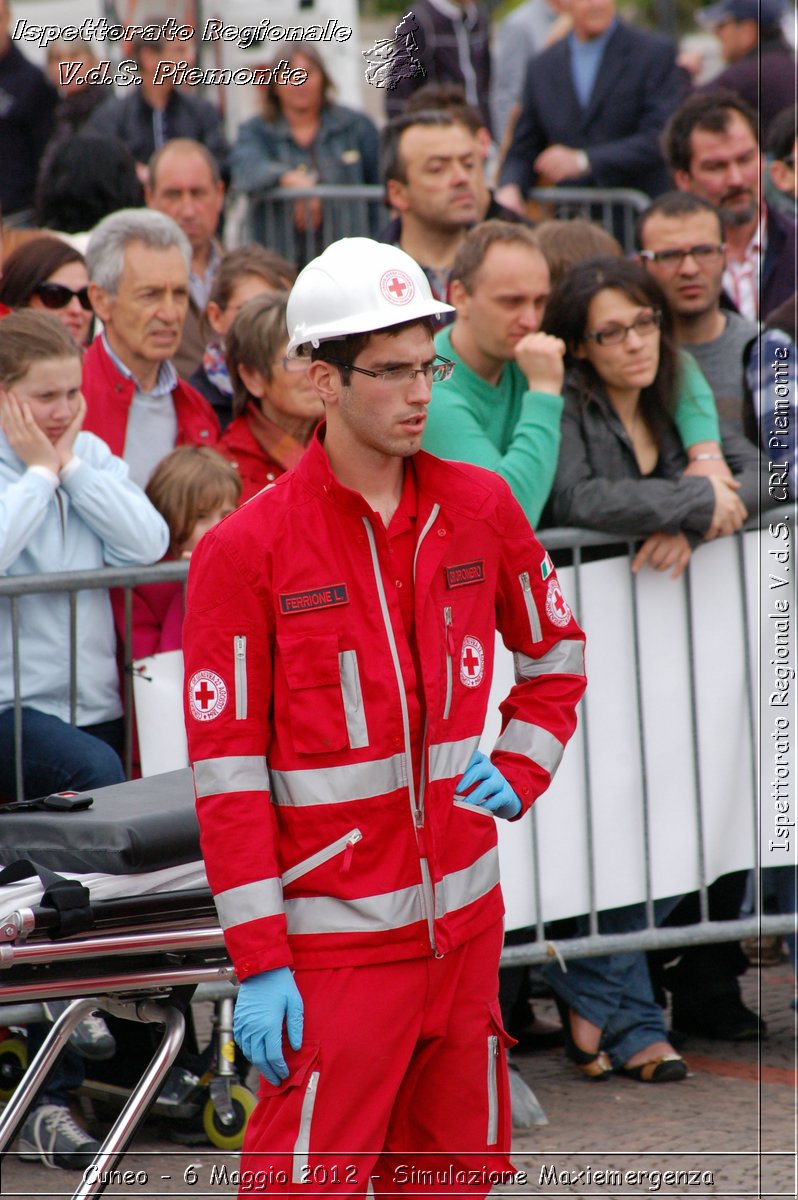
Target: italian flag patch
[[546, 567]]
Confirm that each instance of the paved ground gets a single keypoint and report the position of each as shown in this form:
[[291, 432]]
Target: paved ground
[[729, 1129]]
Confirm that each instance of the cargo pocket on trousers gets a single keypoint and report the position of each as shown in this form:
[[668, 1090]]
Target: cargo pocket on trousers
[[498, 1043], [298, 1095], [315, 701]]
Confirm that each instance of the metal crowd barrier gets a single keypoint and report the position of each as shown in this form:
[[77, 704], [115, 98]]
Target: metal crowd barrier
[[577, 543], [270, 216]]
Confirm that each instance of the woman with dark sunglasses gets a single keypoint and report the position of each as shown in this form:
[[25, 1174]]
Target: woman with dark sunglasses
[[47, 273]]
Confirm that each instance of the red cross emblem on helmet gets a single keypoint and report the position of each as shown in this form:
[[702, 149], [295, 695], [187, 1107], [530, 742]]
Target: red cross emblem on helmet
[[207, 695], [472, 662], [397, 287]]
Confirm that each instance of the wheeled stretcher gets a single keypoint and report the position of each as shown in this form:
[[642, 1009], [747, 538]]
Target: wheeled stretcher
[[112, 910]]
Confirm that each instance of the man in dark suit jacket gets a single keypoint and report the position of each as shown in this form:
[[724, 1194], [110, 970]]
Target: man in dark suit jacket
[[593, 107]]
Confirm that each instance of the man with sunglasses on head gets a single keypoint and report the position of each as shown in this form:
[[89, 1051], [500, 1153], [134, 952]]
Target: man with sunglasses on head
[[338, 654], [680, 242]]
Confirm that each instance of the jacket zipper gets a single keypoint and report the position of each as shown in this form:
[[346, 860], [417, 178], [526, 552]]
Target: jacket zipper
[[493, 1090], [531, 607], [342, 845], [416, 804], [240, 651], [449, 634]]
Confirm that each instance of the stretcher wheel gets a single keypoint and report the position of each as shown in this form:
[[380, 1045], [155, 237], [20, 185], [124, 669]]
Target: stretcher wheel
[[229, 1137], [13, 1064]]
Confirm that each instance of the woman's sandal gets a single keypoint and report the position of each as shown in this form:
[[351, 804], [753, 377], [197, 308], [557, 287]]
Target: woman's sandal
[[668, 1069], [594, 1065]]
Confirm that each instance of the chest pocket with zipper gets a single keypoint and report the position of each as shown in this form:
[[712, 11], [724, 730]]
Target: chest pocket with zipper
[[317, 717]]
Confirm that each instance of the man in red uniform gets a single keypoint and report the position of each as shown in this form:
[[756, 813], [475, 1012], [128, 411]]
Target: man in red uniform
[[339, 645]]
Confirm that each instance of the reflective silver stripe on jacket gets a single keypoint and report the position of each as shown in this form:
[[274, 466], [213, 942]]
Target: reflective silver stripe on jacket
[[533, 742], [233, 773], [249, 902], [565, 658], [369, 914], [354, 711], [447, 759], [334, 785], [463, 887]]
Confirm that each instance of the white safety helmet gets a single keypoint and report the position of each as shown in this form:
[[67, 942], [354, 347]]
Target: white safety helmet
[[355, 286]]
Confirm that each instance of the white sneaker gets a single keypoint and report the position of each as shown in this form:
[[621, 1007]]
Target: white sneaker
[[51, 1135], [91, 1038]]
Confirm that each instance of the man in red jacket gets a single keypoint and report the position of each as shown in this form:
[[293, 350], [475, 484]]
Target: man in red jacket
[[339, 645], [138, 263]]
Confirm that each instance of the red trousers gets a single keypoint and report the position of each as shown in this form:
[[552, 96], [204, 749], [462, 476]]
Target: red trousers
[[400, 1087]]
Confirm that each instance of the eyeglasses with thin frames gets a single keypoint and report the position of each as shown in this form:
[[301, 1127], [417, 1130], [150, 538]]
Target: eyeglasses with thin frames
[[435, 372], [705, 255], [644, 326]]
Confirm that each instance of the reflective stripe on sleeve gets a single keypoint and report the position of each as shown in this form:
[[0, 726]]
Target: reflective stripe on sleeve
[[369, 914], [460, 888], [334, 785], [448, 759], [249, 902], [234, 773], [565, 658], [533, 742]]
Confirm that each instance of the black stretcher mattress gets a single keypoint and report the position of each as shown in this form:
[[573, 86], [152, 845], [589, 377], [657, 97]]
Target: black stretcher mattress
[[144, 825]]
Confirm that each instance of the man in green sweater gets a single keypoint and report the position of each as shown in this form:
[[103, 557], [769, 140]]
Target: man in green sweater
[[501, 408]]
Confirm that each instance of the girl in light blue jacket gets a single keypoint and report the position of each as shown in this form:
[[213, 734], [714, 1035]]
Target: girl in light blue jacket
[[66, 504]]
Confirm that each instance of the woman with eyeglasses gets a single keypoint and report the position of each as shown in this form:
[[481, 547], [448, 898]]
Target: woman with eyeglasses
[[47, 273], [275, 408], [621, 470], [622, 462]]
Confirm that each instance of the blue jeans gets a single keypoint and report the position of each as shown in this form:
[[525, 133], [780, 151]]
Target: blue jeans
[[613, 991], [57, 757]]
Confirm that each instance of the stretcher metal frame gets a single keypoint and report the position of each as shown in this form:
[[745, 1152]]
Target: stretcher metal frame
[[143, 964]]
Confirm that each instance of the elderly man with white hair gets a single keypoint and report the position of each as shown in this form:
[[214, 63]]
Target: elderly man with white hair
[[138, 262]]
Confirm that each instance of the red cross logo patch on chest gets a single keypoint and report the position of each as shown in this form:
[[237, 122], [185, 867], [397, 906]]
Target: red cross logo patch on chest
[[207, 695], [397, 287], [557, 609], [472, 662]]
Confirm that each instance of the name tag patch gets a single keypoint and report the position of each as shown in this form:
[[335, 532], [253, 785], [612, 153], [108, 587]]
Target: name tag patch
[[321, 597], [465, 573]]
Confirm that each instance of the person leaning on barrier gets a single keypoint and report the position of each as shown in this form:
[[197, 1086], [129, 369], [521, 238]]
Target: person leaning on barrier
[[621, 470], [302, 138], [338, 647], [66, 504]]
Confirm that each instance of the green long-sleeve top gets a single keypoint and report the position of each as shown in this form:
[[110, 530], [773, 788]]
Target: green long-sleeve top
[[516, 432]]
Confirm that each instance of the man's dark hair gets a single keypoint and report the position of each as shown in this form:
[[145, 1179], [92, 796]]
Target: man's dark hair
[[88, 177], [781, 134], [445, 97], [391, 165], [343, 351], [477, 243], [674, 204], [709, 111]]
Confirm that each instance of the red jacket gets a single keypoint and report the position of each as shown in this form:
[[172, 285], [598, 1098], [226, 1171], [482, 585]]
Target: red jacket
[[109, 395], [319, 847], [254, 466]]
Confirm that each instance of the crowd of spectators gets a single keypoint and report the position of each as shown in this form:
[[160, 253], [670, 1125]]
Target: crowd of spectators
[[145, 388]]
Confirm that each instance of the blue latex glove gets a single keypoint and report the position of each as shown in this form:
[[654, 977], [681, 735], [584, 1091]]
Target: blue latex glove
[[493, 793], [264, 1001]]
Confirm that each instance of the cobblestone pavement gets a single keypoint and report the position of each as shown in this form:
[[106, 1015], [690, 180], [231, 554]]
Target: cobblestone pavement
[[729, 1129]]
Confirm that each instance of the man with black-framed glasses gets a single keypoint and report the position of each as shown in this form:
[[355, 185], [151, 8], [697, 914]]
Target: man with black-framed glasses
[[680, 242], [338, 644]]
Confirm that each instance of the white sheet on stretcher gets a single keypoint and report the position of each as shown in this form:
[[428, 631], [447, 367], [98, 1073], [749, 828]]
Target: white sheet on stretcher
[[110, 887]]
